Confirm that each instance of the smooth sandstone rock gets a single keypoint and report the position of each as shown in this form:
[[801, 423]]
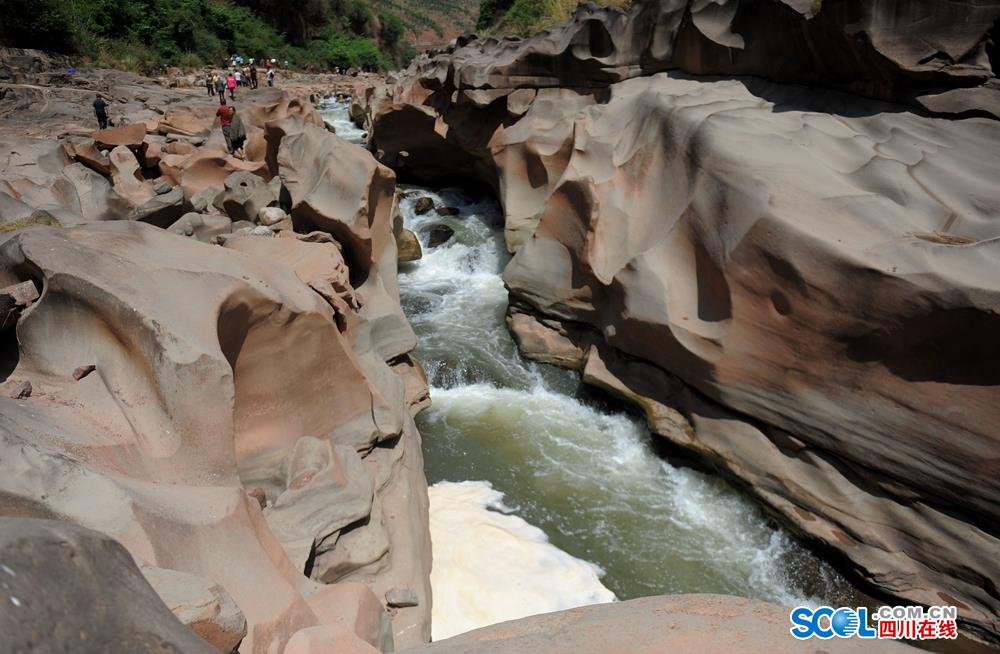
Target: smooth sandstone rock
[[66, 588], [218, 343], [244, 195], [708, 265], [201, 605], [201, 226], [780, 253], [131, 136], [652, 625]]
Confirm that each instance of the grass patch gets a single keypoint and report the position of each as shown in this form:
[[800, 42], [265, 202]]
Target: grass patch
[[39, 218]]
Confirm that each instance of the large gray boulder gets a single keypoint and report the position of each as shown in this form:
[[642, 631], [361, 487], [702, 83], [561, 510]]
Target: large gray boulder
[[70, 589]]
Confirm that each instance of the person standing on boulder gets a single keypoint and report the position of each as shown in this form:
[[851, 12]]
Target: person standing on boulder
[[253, 75], [231, 85], [225, 114], [101, 111]]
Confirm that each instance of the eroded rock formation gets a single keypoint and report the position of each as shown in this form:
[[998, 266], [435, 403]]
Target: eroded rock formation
[[238, 417], [796, 283], [652, 625]]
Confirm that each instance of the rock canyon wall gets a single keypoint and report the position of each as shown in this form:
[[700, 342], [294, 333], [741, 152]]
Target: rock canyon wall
[[204, 358], [772, 225]]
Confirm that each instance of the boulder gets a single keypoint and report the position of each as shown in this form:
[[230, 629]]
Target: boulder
[[271, 215], [163, 210], [207, 168], [85, 151], [439, 235], [131, 136], [40, 175], [331, 639], [12, 209], [204, 200], [153, 150], [408, 245], [194, 121], [653, 625], [214, 366], [77, 590], [423, 205], [244, 195], [127, 177], [201, 605], [201, 226], [312, 163]]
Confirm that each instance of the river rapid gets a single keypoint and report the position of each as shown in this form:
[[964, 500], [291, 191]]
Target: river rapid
[[542, 497]]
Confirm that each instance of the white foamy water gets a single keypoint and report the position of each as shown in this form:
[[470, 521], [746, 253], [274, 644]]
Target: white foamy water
[[336, 115], [476, 543], [583, 483]]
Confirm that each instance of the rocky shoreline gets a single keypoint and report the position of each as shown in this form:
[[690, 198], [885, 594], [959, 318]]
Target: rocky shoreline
[[207, 391], [794, 283], [212, 366]]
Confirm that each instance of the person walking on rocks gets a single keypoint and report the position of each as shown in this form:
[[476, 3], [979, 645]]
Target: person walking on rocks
[[210, 84], [101, 111], [231, 85], [220, 85], [253, 75], [226, 114], [270, 77]]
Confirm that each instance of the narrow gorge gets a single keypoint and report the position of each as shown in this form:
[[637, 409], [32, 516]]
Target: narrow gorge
[[628, 336]]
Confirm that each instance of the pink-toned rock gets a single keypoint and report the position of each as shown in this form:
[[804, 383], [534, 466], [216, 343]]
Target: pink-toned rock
[[23, 294], [127, 177], [188, 121], [213, 381], [329, 639], [86, 152], [131, 136], [654, 625], [153, 150], [178, 147], [208, 168]]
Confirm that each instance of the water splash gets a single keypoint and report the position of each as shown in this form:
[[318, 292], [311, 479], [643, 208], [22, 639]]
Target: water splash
[[589, 479]]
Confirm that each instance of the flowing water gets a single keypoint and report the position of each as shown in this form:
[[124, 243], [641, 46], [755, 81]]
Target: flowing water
[[336, 115], [571, 475], [542, 499]]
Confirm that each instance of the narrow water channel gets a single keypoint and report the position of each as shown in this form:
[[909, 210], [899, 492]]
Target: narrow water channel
[[542, 499]]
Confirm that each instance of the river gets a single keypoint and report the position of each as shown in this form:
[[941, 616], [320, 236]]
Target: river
[[542, 497]]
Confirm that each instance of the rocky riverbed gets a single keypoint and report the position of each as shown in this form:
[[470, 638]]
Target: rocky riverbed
[[773, 230], [770, 228]]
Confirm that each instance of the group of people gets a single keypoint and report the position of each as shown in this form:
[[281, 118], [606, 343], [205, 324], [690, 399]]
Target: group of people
[[238, 76]]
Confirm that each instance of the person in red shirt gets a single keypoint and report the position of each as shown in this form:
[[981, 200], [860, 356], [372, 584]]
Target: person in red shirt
[[231, 85], [226, 114]]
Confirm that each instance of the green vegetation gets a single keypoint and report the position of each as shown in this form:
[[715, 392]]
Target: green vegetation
[[145, 35], [40, 217], [433, 16], [526, 17]]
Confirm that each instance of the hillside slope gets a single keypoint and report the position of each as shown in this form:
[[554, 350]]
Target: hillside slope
[[432, 23]]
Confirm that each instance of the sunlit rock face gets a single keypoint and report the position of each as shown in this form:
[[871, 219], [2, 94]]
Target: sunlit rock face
[[237, 414], [794, 282]]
